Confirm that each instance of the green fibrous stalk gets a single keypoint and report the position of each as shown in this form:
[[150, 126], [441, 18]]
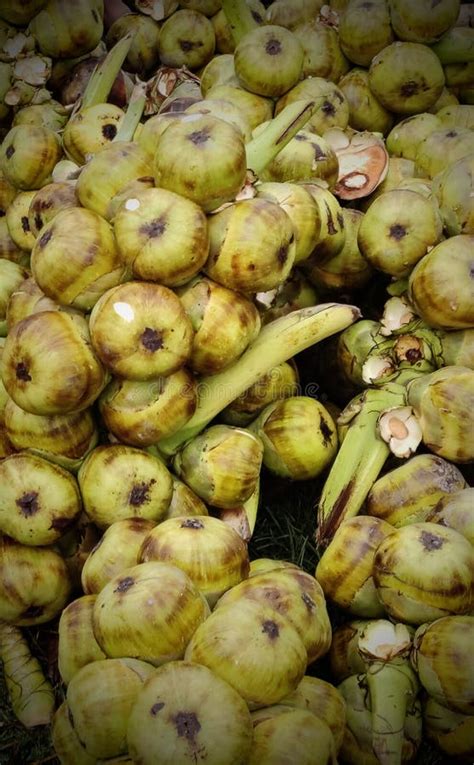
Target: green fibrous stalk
[[103, 76], [239, 18]]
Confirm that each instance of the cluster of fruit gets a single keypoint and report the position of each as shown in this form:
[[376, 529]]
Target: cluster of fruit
[[191, 195]]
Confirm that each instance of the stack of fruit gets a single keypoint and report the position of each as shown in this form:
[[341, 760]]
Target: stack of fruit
[[192, 197]]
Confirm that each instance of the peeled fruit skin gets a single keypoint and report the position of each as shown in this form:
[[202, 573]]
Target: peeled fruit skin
[[75, 258], [407, 78], [441, 286], [268, 60], [100, 698], [253, 648], [294, 735], [39, 501], [323, 700], [140, 330], [424, 571], [34, 583], [49, 366], [364, 30], [441, 655], [28, 154], [186, 39], [211, 553], [162, 236], [150, 612], [119, 482], [235, 262], [77, 645], [201, 158], [117, 550], [455, 511], [422, 22]]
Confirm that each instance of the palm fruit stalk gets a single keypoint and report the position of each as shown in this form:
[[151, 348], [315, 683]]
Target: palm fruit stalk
[[239, 18], [30, 693]]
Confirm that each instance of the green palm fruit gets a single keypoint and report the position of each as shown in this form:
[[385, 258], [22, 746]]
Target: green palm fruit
[[424, 571], [67, 746], [296, 292], [455, 510], [224, 110], [30, 694], [299, 437], [141, 487], [453, 187], [39, 501], [224, 322], [140, 330], [405, 137], [251, 646], [356, 344], [160, 601], [225, 42], [365, 111], [263, 565], [257, 109], [452, 732], [184, 502], [443, 404], [440, 149], [141, 412], [51, 114], [146, 133], [456, 46], [280, 382], [208, 550], [422, 23], [443, 299], [350, 584], [364, 30], [48, 201], [18, 220], [100, 698], [75, 258], [11, 277], [323, 700], [187, 39], [332, 233], [332, 107], [398, 170], [117, 550], [143, 55], [62, 439], [35, 583], [291, 733], [233, 259], [296, 596], [28, 299], [90, 130], [49, 366], [268, 60], [28, 154], [77, 645], [441, 653], [220, 69], [409, 492], [458, 115], [323, 56], [8, 193], [70, 31], [203, 464], [294, 13], [406, 77], [203, 713], [307, 157], [446, 99], [20, 15]]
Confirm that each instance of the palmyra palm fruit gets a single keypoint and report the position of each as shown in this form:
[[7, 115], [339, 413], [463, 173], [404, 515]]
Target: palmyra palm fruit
[[344, 656], [149, 611], [422, 23], [117, 549], [268, 60], [224, 323], [20, 14], [364, 30], [224, 110], [441, 653], [424, 571], [27, 299], [28, 154], [100, 697], [451, 731], [11, 276], [48, 201], [186, 39], [224, 32], [453, 188], [280, 382], [322, 54], [443, 404], [444, 296], [67, 746], [291, 734], [34, 585], [219, 71], [146, 133], [406, 77], [39, 501], [294, 595], [186, 711], [8, 193], [323, 700], [263, 565], [405, 137], [441, 149], [307, 157], [257, 109], [331, 107], [299, 437], [409, 492], [202, 158], [203, 463], [75, 258], [210, 552], [140, 330], [119, 482], [292, 14], [63, 439], [332, 234], [90, 130], [142, 412], [77, 645], [351, 554], [51, 114], [184, 502], [18, 221], [455, 510], [30, 693], [49, 366], [70, 31], [365, 111], [143, 54], [253, 648], [296, 292], [459, 115]]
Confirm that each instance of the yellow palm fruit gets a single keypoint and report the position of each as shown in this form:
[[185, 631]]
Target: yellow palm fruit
[[28, 155], [77, 645]]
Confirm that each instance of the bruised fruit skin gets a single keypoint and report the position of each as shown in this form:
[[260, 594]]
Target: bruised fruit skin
[[90, 130], [268, 60]]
